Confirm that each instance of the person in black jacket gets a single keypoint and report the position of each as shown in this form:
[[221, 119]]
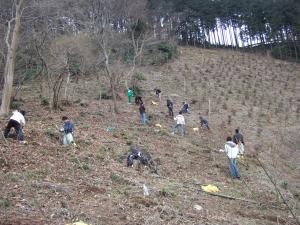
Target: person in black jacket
[[158, 93], [170, 107], [239, 140], [204, 123], [138, 100]]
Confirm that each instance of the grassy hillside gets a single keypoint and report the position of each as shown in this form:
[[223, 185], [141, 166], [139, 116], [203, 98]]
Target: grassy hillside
[[45, 183]]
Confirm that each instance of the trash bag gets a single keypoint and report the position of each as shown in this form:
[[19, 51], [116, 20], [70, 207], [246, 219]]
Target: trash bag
[[210, 188]]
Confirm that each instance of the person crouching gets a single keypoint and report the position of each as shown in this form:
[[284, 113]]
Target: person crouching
[[16, 121]]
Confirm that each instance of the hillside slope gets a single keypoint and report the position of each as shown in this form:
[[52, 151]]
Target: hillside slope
[[45, 183]]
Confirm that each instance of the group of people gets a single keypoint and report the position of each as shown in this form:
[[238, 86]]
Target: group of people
[[234, 146], [179, 119], [17, 122]]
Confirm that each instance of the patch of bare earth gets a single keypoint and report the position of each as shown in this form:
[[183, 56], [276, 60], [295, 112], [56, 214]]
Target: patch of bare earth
[[45, 183]]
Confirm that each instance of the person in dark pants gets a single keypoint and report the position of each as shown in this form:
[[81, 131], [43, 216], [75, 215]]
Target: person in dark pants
[[142, 110], [239, 140], [185, 107], [16, 121], [204, 123], [170, 107], [143, 157]]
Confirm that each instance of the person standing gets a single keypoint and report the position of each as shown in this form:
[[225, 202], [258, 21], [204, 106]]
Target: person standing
[[180, 123], [17, 121], [142, 110], [68, 131], [239, 140], [158, 93], [170, 106], [129, 95], [232, 151]]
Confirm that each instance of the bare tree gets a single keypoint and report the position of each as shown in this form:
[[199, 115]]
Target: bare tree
[[11, 41]]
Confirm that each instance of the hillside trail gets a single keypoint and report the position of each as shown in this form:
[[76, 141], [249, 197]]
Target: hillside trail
[[46, 183]]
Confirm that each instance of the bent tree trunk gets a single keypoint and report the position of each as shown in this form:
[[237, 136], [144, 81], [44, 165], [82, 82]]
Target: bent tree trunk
[[10, 60]]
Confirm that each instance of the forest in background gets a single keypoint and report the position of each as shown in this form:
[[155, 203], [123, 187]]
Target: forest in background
[[54, 40], [270, 24]]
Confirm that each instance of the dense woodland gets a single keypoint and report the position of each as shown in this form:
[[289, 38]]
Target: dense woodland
[[266, 23], [53, 40]]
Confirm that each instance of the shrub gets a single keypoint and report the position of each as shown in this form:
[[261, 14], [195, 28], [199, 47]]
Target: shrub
[[284, 51], [45, 102], [15, 104], [84, 104], [50, 132], [137, 90], [166, 52], [168, 48], [129, 142], [4, 203], [139, 77], [117, 179], [166, 193]]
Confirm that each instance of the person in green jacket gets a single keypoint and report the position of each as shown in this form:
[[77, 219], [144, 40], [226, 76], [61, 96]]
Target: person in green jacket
[[129, 94]]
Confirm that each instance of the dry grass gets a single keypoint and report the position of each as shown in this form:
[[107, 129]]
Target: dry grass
[[46, 183]]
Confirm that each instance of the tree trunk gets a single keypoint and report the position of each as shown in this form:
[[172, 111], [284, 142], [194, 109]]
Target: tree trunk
[[68, 78], [10, 60], [113, 89]]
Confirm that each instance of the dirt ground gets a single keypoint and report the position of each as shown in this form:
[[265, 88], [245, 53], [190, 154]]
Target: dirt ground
[[45, 183]]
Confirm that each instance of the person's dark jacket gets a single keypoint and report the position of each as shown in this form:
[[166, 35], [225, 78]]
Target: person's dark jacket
[[142, 109], [68, 127], [169, 104], [138, 100], [238, 138]]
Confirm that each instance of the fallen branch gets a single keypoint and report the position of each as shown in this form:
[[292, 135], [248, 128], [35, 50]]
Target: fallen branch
[[230, 197], [277, 190]]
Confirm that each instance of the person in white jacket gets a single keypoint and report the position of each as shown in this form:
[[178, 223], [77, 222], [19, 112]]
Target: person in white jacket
[[16, 121], [180, 122], [232, 150]]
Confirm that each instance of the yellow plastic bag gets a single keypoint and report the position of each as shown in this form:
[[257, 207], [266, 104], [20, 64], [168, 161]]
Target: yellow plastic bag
[[240, 157], [195, 129], [210, 188], [158, 125], [154, 103]]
